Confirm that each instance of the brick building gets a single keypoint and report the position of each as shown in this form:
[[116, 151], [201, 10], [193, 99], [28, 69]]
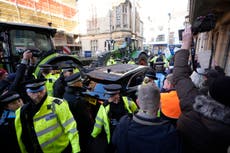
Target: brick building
[[60, 14]]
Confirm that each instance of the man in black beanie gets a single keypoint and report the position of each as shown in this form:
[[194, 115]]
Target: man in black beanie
[[204, 123]]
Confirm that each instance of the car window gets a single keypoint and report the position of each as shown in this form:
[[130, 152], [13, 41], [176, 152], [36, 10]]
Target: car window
[[136, 79]]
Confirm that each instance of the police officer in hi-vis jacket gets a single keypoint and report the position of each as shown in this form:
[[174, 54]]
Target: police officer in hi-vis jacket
[[45, 124]]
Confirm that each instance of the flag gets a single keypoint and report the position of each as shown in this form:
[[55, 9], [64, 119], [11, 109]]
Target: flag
[[66, 50]]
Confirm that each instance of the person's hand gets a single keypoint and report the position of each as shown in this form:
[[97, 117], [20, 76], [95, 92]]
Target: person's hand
[[186, 38], [33, 60], [27, 55]]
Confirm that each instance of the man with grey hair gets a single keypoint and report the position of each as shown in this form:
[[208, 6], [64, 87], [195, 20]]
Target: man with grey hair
[[145, 132]]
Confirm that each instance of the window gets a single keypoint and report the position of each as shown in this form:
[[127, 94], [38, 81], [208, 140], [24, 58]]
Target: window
[[125, 20], [94, 45], [118, 16], [24, 39], [124, 8], [160, 38], [136, 79]]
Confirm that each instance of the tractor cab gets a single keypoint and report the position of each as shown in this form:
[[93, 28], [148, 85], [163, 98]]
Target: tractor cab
[[16, 38]]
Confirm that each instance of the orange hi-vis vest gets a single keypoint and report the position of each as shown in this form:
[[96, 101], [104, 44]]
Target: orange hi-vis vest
[[170, 106]]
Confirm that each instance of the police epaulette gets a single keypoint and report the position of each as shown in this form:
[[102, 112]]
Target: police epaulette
[[57, 101]]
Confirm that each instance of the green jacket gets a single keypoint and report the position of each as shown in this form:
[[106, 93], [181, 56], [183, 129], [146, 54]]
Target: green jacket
[[54, 127], [102, 118]]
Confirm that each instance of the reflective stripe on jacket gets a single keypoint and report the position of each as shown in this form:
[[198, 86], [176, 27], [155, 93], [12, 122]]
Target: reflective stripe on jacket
[[54, 127], [103, 120]]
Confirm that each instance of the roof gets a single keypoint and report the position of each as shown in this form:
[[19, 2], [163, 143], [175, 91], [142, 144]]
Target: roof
[[114, 73], [12, 25]]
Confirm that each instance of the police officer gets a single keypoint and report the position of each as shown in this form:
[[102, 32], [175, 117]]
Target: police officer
[[78, 106], [46, 71], [150, 76], [60, 83], [9, 103], [111, 61], [45, 123], [110, 112]]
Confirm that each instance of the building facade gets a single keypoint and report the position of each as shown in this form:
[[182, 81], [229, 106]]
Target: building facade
[[212, 46], [59, 14], [121, 22]]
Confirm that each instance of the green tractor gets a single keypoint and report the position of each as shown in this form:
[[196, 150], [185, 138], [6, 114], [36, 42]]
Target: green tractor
[[16, 38], [122, 53]]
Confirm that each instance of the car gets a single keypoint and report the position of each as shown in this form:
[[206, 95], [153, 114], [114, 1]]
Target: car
[[129, 76]]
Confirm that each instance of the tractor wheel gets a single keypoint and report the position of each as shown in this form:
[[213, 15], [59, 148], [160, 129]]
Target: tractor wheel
[[143, 59]]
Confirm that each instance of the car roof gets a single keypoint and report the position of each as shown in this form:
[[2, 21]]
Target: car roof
[[115, 73]]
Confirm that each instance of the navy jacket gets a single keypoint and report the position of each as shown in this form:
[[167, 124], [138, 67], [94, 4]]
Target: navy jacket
[[140, 135], [8, 138]]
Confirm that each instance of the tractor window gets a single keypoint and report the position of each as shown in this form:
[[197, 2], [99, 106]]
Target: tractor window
[[25, 39]]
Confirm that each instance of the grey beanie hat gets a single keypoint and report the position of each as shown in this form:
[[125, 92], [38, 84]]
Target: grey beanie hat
[[148, 96]]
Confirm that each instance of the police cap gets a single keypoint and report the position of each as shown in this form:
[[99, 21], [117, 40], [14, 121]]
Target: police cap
[[112, 89], [45, 67], [151, 74], [9, 97], [67, 68], [55, 67], [73, 78], [35, 85]]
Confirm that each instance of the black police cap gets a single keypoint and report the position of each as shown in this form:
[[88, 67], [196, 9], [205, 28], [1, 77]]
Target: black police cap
[[34, 83], [73, 78], [151, 74], [112, 89], [67, 68], [55, 67], [9, 97], [45, 67]]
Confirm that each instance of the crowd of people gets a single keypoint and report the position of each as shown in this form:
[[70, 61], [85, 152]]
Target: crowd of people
[[189, 114]]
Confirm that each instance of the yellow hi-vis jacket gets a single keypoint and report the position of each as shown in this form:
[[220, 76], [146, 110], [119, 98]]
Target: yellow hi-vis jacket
[[103, 120], [111, 61], [49, 83], [54, 127]]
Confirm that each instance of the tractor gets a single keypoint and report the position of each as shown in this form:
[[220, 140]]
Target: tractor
[[15, 38], [122, 53]]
